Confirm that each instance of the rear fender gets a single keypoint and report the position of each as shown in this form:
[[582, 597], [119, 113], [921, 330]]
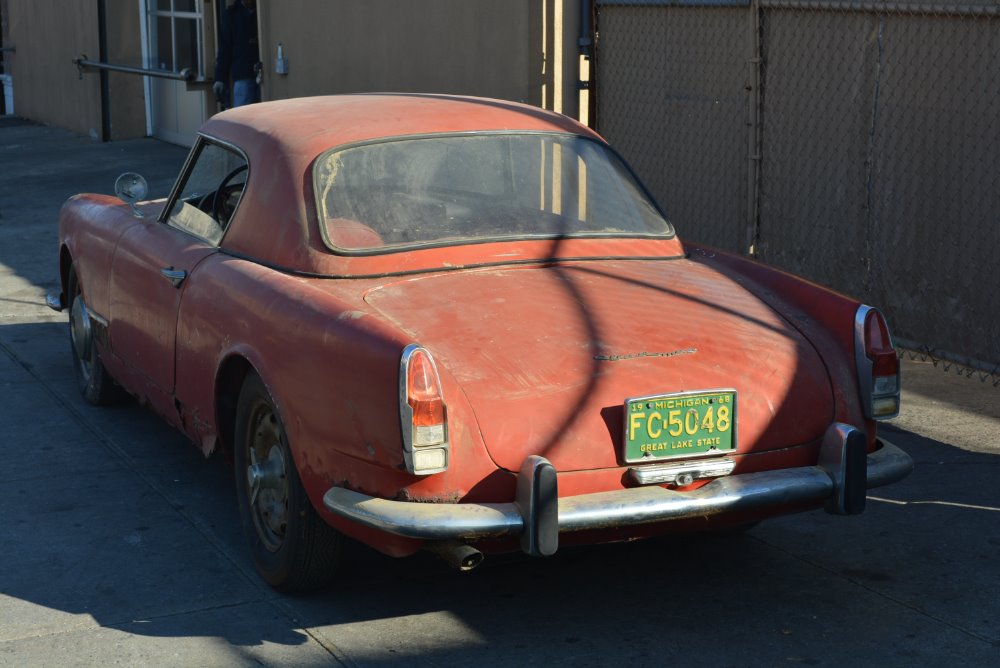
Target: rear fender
[[823, 316], [332, 371]]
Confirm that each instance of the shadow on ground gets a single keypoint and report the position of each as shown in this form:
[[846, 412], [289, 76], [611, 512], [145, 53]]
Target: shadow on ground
[[113, 520]]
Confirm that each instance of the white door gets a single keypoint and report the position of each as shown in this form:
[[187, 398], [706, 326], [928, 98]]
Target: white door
[[174, 41]]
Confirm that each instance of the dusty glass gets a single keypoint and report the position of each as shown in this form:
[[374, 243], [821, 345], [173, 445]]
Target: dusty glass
[[473, 188]]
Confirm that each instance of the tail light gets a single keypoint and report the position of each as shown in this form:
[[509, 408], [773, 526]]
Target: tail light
[[878, 365], [423, 414]]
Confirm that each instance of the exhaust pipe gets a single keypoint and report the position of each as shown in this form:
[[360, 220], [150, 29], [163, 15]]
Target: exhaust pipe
[[458, 555]]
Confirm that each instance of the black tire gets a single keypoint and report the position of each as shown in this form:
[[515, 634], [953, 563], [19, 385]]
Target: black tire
[[95, 383], [293, 549]]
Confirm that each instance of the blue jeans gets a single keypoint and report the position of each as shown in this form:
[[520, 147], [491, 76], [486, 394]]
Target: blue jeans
[[245, 91]]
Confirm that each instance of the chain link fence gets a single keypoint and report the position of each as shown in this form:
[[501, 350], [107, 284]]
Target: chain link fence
[[854, 143]]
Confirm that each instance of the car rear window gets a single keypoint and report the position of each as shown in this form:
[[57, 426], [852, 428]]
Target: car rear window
[[472, 188]]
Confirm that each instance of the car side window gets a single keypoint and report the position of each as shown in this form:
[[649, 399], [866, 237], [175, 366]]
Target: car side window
[[210, 192]]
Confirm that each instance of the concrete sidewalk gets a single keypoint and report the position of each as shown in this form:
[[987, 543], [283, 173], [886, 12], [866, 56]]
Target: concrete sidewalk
[[117, 538], [120, 544]]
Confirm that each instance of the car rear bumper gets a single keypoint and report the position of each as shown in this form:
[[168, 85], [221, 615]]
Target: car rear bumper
[[840, 479]]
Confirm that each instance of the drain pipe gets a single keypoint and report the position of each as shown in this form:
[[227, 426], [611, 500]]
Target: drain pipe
[[102, 31], [585, 79], [458, 555], [585, 42]]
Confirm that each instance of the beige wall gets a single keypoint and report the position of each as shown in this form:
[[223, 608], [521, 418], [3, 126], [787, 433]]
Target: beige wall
[[494, 48], [127, 93], [48, 35], [474, 47]]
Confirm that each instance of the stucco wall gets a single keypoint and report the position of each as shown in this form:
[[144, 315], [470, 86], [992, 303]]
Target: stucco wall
[[473, 47], [505, 49], [127, 93], [48, 35]]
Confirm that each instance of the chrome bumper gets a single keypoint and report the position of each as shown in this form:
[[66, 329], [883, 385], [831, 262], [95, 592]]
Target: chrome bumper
[[55, 302], [840, 479]]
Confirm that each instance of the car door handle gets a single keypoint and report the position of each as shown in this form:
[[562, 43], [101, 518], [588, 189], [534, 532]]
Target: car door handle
[[175, 276]]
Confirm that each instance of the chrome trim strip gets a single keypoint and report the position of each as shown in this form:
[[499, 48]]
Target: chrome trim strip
[[656, 474], [861, 361], [405, 412], [619, 508], [540, 261], [97, 318]]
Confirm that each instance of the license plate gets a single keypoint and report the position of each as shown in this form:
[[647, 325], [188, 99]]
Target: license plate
[[685, 424]]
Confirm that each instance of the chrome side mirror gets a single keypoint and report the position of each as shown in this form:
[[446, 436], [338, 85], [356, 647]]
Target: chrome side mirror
[[131, 188]]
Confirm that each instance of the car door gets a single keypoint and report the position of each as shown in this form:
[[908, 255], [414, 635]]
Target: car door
[[155, 261]]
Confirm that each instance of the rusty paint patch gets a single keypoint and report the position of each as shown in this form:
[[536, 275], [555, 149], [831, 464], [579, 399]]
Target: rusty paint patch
[[632, 356], [407, 495]]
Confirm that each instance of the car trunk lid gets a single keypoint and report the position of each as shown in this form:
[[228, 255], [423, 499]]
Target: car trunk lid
[[547, 355]]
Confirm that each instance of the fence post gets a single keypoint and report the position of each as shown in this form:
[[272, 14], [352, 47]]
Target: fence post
[[753, 129]]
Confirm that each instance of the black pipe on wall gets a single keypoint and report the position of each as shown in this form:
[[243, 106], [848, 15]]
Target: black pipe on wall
[[102, 29]]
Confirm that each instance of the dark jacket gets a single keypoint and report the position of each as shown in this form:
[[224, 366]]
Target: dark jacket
[[238, 48]]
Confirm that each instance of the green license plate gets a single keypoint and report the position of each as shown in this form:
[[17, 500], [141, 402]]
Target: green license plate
[[680, 425]]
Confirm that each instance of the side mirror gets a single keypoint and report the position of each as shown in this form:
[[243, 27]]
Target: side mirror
[[131, 188]]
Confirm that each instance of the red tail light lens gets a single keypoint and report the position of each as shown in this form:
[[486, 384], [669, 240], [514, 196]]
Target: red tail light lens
[[423, 414], [423, 392], [885, 364], [878, 366]]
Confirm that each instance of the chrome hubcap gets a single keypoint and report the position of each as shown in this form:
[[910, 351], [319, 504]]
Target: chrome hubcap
[[80, 330], [267, 484], [268, 474]]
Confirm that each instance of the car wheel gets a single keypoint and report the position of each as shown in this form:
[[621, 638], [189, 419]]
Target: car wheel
[[293, 548], [95, 383]]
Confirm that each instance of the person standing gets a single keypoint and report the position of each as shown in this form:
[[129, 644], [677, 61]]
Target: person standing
[[238, 54]]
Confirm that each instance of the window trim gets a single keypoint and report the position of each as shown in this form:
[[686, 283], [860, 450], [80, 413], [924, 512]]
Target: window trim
[[152, 13], [185, 173], [404, 248]]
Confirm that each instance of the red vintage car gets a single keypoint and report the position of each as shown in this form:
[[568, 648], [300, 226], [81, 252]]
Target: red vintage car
[[462, 324]]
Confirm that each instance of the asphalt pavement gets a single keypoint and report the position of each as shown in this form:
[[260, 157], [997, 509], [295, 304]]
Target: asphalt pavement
[[120, 544]]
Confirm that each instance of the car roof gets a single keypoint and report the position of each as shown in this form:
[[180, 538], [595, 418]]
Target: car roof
[[276, 221], [311, 125]]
